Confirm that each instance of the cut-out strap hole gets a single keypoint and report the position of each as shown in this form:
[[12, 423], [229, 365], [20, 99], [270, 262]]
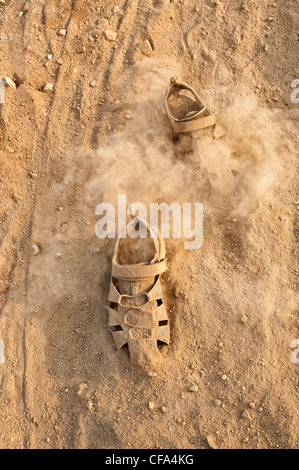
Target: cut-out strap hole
[[113, 305], [116, 328]]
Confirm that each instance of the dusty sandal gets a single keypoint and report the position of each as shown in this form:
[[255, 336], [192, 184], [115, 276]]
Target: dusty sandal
[[197, 132], [137, 314], [193, 117]]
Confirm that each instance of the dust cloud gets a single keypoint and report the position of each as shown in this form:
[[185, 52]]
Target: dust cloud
[[235, 174]]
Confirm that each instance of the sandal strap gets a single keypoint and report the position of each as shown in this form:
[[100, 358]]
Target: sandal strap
[[195, 125], [155, 293], [132, 272], [174, 87], [134, 317]]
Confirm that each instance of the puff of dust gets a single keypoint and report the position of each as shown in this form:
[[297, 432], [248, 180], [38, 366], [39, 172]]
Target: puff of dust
[[141, 162], [256, 141]]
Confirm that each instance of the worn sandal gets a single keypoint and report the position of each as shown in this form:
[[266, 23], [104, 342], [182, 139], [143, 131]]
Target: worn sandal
[[196, 131], [191, 121], [137, 314]]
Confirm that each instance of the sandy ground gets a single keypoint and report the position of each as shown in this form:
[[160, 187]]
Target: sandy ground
[[101, 132]]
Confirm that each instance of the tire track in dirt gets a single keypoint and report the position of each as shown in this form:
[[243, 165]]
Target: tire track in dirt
[[20, 36]]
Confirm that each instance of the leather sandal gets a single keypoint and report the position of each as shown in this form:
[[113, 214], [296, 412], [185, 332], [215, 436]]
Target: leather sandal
[[137, 314]]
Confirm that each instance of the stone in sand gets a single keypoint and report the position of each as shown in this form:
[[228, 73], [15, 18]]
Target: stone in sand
[[146, 47], [110, 35]]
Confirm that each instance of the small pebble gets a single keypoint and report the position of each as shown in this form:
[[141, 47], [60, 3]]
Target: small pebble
[[193, 388], [93, 83], [251, 405], [211, 442], [82, 387], [103, 21], [245, 414], [81, 50], [244, 319], [8, 82], [146, 47], [58, 254], [48, 87], [35, 249], [163, 409], [224, 377], [110, 35], [62, 32], [151, 405], [217, 402], [152, 374], [89, 405]]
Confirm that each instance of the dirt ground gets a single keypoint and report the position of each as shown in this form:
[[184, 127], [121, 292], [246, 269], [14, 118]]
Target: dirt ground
[[100, 131]]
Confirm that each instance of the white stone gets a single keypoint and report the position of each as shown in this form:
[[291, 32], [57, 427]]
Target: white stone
[[35, 249], [152, 374], [8, 82], [211, 442], [110, 35], [48, 87]]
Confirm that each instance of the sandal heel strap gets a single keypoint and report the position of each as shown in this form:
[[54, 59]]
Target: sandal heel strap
[[191, 126], [134, 272]]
